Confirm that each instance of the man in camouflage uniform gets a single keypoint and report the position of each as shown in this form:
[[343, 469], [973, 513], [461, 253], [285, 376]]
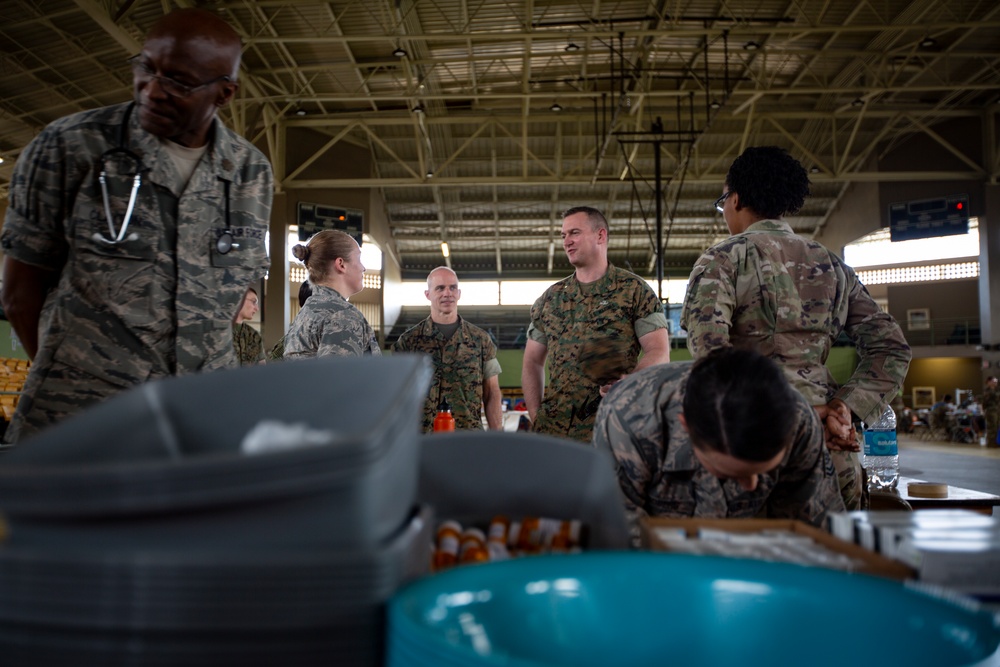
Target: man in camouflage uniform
[[247, 342], [722, 437], [991, 410], [789, 298], [466, 370], [101, 310], [599, 302]]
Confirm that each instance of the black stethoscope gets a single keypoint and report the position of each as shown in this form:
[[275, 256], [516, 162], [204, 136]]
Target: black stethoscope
[[223, 244]]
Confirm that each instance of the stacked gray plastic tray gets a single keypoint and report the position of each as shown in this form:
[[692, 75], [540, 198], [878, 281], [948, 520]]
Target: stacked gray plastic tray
[[140, 534]]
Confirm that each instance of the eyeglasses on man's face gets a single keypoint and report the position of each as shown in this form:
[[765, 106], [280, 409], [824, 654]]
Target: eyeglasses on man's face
[[143, 72], [721, 202]]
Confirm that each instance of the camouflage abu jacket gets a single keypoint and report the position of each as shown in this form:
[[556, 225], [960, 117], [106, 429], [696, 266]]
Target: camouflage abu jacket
[[248, 344], [329, 325], [660, 475], [159, 303], [461, 364], [789, 298], [619, 306]]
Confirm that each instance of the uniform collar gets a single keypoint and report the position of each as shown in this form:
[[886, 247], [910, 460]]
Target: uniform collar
[[769, 226], [427, 326], [606, 284], [220, 155]]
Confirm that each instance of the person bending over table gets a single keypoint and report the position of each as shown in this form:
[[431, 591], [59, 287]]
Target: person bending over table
[[725, 436]]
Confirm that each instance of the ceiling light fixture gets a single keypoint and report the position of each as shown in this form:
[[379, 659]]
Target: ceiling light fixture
[[857, 102], [430, 174], [300, 112], [400, 52], [555, 107], [814, 169], [715, 104], [571, 47], [444, 249], [928, 43], [418, 109], [751, 46]]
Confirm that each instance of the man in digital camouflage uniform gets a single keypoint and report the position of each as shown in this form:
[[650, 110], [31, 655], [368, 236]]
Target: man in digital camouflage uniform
[[103, 307], [466, 370], [991, 410], [723, 437], [247, 342], [599, 302], [789, 298]]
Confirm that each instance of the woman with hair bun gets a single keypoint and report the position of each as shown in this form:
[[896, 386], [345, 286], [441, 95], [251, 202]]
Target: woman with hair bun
[[327, 324]]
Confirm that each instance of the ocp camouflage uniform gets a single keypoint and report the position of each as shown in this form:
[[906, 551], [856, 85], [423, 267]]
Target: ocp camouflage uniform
[[156, 305], [789, 298], [619, 306], [660, 476], [248, 344], [461, 364], [991, 410], [329, 325]]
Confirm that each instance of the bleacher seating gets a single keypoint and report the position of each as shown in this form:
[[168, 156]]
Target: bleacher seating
[[13, 373]]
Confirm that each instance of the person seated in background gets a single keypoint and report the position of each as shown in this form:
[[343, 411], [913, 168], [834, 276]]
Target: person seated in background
[[940, 412], [247, 342], [277, 352], [725, 436], [904, 415]]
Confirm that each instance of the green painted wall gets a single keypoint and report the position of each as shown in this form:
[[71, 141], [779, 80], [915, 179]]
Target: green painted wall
[[10, 346]]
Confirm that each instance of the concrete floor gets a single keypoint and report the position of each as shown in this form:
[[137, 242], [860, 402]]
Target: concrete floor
[[968, 466]]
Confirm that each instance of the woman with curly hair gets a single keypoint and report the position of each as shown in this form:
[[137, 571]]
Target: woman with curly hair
[[327, 324], [789, 298]]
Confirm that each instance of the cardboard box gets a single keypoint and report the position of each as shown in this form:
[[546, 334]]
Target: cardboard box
[[872, 563]]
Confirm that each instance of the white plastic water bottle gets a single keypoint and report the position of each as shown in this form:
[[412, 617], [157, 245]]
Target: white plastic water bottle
[[881, 452]]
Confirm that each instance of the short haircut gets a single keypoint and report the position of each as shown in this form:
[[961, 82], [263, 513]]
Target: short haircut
[[324, 247], [769, 181], [251, 289], [437, 269], [305, 291], [738, 403], [594, 217]]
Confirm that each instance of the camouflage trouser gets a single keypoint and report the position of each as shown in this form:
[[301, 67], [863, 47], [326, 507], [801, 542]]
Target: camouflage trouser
[[848, 467], [992, 419]]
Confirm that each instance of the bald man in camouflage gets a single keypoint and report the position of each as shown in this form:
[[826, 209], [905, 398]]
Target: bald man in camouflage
[[466, 370], [789, 298], [104, 305]]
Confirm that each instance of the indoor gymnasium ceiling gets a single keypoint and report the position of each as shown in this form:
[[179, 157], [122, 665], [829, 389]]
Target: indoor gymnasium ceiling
[[486, 118]]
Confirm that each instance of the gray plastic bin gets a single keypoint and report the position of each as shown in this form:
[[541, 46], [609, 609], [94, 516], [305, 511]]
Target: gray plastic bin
[[470, 476], [160, 465]]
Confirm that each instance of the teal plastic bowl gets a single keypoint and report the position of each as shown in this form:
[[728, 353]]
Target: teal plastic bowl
[[636, 608]]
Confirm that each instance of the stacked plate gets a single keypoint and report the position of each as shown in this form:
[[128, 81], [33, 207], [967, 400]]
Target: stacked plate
[[143, 533], [620, 608]]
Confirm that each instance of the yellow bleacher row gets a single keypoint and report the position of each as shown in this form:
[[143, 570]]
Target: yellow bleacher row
[[13, 373]]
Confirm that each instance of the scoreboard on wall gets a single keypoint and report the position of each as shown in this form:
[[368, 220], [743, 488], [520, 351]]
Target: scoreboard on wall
[[925, 218], [313, 218]]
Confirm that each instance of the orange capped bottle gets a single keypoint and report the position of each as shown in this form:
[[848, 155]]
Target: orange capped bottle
[[446, 551], [496, 539], [473, 549], [444, 421]]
